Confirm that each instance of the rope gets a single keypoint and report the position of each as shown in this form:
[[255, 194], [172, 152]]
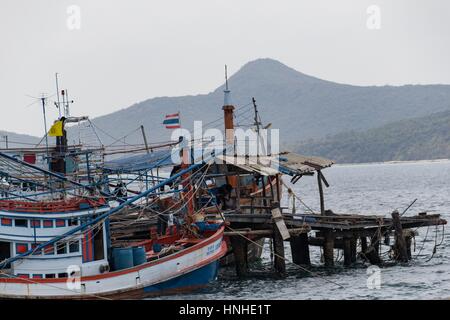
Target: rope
[[290, 191]]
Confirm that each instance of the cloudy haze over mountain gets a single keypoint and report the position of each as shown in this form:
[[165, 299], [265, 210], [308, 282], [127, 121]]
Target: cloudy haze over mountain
[[129, 51], [301, 106]]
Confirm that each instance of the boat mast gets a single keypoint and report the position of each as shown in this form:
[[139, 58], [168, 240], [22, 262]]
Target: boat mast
[[189, 194], [257, 123]]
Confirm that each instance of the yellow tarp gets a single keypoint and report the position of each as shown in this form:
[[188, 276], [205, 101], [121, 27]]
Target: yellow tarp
[[56, 130]]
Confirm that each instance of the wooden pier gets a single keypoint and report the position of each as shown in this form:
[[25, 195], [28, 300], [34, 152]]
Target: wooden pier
[[358, 236]]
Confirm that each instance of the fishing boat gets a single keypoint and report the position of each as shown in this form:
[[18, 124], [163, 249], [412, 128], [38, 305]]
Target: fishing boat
[[47, 247], [188, 265], [55, 240]]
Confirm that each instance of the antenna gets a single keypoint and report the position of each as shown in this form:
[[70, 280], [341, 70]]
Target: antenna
[[57, 92], [66, 108]]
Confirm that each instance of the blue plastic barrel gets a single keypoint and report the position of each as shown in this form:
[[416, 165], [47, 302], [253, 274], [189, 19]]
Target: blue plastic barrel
[[156, 247], [139, 256], [123, 258]]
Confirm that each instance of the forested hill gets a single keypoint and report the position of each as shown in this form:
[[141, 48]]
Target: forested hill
[[415, 139]]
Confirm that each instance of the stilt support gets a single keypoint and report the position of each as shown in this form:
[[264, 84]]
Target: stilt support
[[278, 250], [347, 252], [240, 251], [328, 249], [300, 249], [400, 243]]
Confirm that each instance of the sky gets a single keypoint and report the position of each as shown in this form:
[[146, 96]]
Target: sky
[[110, 54]]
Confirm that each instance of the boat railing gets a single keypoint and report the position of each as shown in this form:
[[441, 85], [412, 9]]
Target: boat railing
[[50, 206]]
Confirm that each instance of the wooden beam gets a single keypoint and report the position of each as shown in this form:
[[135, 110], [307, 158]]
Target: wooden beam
[[328, 249], [400, 243], [279, 222], [240, 252], [324, 180], [300, 249], [363, 244], [278, 249], [347, 252], [353, 244], [322, 201]]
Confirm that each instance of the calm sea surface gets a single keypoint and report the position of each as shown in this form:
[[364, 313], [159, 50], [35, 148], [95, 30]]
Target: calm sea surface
[[362, 189]]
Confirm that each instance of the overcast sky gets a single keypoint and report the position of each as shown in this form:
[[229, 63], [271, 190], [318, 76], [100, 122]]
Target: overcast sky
[[128, 51]]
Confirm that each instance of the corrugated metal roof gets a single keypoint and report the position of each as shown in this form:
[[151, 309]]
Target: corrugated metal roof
[[303, 164], [287, 163], [264, 165]]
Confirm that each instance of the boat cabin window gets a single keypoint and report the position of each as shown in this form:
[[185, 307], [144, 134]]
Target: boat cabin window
[[6, 222], [49, 250], [74, 247], [34, 246], [5, 251], [62, 275], [23, 223], [50, 276], [35, 223], [60, 223], [61, 248], [48, 223], [73, 222], [21, 247]]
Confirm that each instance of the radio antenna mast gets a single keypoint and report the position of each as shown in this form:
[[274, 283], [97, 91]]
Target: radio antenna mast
[[57, 93]]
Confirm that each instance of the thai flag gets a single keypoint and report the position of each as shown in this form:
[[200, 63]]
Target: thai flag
[[172, 121]]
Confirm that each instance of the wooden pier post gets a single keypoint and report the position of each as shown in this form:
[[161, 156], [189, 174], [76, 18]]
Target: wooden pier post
[[240, 251], [278, 249], [409, 234], [353, 253], [300, 249], [347, 251], [363, 244], [328, 249], [400, 243], [408, 247]]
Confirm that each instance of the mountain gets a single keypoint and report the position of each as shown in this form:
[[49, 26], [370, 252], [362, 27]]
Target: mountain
[[414, 139], [16, 140], [301, 106]]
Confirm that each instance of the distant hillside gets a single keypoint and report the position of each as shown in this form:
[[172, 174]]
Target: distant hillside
[[16, 140], [415, 139], [301, 106]]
